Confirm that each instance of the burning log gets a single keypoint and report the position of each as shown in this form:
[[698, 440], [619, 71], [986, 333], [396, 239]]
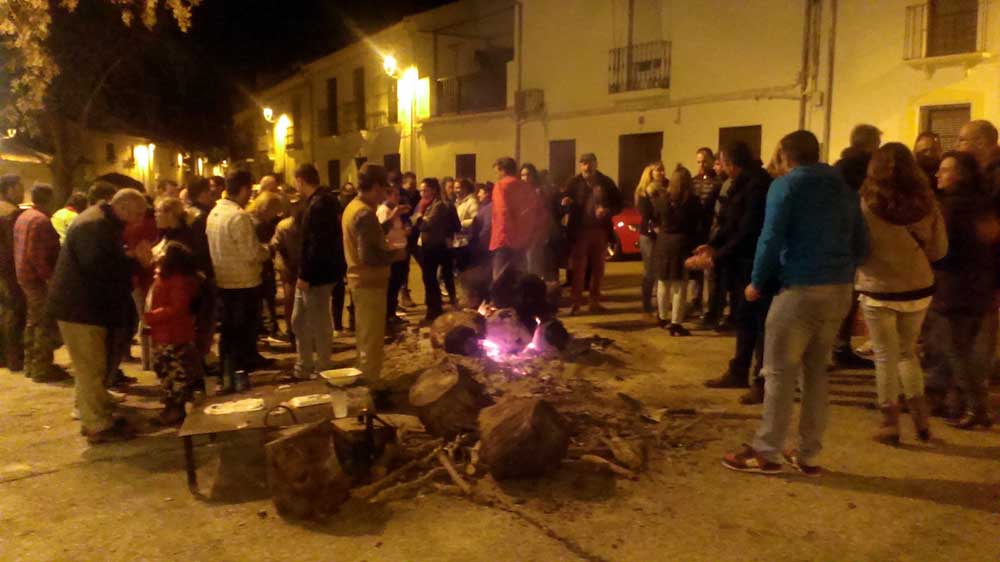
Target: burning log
[[522, 438], [506, 332], [306, 478], [550, 336], [448, 400], [524, 292], [458, 332]]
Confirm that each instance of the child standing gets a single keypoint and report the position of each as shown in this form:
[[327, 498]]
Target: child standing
[[171, 320]]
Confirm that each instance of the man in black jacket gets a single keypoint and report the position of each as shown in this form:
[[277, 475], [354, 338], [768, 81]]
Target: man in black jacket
[[853, 167], [589, 201], [733, 246], [90, 294], [322, 265]]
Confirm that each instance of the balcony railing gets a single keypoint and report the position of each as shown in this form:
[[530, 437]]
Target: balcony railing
[[931, 34], [474, 93], [639, 67]]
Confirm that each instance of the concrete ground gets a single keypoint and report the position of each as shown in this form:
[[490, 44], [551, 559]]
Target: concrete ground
[[63, 500]]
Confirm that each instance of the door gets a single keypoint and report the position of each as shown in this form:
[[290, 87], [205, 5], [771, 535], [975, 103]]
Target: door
[[635, 152], [333, 173], [749, 134], [562, 161], [465, 166]]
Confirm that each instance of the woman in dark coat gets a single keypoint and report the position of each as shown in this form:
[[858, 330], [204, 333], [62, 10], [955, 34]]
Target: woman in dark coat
[[676, 216], [652, 184]]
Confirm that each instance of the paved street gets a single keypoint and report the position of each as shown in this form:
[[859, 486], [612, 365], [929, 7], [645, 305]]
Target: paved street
[[60, 500]]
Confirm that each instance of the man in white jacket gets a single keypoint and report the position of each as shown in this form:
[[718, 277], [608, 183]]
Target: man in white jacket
[[237, 258]]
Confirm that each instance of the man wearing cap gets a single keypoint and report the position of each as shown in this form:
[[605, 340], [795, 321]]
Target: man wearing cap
[[589, 201]]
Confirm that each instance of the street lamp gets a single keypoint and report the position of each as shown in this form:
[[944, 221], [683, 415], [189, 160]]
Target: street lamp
[[390, 66], [268, 115], [406, 91], [9, 134]]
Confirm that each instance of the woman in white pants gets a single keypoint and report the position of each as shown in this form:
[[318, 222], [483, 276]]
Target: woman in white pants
[[907, 233], [677, 216]]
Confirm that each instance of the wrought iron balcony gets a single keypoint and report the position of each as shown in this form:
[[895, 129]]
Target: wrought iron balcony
[[639, 67], [473, 93]]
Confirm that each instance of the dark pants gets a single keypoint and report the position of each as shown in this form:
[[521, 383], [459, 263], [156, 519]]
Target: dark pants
[[958, 350], [238, 330], [717, 299], [432, 260], [648, 272], [13, 315], [589, 251], [269, 296], [397, 276], [750, 318]]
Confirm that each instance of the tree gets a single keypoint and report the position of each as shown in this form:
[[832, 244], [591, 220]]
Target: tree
[[45, 97]]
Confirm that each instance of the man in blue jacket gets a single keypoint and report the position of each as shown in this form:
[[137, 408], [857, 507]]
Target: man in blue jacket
[[813, 239]]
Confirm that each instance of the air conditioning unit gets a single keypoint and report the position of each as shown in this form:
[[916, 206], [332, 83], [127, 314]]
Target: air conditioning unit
[[529, 102]]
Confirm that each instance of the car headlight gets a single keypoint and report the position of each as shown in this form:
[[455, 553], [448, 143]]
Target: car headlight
[[633, 227], [621, 224]]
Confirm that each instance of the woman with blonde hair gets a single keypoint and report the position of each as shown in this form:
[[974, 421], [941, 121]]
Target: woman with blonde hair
[[777, 167], [907, 233], [676, 215], [652, 182]]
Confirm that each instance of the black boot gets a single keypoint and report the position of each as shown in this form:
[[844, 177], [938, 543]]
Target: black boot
[[732, 378]]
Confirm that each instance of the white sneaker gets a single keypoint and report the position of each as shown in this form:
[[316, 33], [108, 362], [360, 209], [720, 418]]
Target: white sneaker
[[75, 414], [118, 397]]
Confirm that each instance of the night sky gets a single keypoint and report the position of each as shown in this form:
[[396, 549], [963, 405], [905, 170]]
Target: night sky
[[185, 87]]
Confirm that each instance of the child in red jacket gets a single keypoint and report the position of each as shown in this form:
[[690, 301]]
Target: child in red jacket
[[171, 320]]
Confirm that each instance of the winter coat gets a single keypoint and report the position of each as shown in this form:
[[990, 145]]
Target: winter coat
[[898, 266], [967, 275], [742, 217], [584, 200], [92, 283], [171, 317], [322, 261]]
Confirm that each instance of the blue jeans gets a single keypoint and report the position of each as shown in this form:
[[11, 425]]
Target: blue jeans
[[313, 327], [801, 329]]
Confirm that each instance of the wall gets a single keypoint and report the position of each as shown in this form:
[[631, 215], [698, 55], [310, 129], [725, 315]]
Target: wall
[[873, 84]]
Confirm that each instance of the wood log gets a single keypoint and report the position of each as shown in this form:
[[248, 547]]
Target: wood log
[[458, 332], [522, 438], [305, 477], [448, 400]]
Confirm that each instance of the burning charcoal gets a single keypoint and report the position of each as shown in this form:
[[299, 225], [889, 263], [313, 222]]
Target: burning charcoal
[[506, 334], [522, 437], [448, 400], [524, 292], [458, 332]]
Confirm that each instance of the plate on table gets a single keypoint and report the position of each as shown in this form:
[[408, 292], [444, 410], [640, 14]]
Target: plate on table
[[341, 377]]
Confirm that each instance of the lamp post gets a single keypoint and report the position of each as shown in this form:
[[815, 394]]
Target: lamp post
[[407, 87]]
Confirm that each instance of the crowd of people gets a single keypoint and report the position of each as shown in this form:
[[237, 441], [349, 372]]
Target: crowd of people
[[787, 255]]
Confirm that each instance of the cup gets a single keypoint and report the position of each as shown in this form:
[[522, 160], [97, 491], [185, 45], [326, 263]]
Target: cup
[[339, 400]]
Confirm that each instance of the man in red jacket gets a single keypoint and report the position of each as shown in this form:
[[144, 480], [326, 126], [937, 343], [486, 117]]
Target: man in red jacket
[[36, 249], [513, 218]]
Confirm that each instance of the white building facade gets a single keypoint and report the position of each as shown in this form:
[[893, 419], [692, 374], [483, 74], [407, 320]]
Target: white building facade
[[632, 81]]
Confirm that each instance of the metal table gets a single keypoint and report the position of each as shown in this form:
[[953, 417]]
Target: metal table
[[199, 423]]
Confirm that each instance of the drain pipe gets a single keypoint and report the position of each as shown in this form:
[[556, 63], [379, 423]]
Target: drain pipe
[[519, 19], [828, 117], [807, 39]]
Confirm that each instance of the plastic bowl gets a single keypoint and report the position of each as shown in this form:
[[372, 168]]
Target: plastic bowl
[[341, 377]]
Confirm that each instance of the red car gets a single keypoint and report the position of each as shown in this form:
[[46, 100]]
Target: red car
[[625, 243]]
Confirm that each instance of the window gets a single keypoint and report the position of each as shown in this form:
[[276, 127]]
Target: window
[[332, 121], [333, 173], [359, 98], [391, 162], [109, 153], [641, 60], [562, 161], [749, 134], [943, 27], [945, 121], [952, 27], [465, 166]]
